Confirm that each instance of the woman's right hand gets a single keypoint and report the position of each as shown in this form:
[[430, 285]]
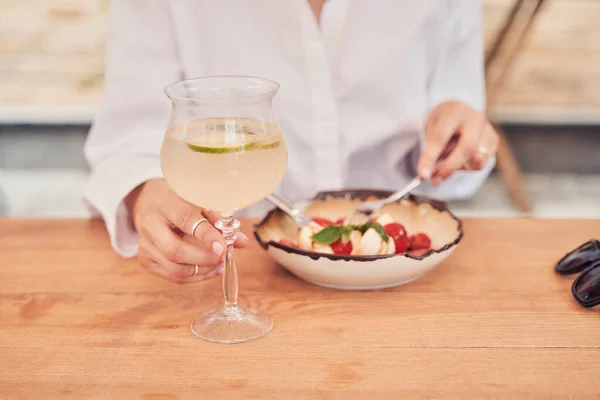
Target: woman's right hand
[[166, 246]]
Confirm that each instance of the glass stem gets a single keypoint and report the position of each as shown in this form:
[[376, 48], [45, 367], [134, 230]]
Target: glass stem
[[228, 225]]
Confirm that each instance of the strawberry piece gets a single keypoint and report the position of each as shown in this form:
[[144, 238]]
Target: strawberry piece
[[324, 222], [340, 221], [420, 241], [401, 244], [287, 242], [398, 234], [340, 248]]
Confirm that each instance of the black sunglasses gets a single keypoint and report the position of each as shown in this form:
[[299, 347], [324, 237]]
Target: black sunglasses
[[586, 258]]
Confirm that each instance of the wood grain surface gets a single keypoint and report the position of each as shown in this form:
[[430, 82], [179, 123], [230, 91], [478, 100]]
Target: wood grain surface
[[494, 321]]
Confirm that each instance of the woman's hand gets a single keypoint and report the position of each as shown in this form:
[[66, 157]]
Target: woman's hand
[[477, 143], [165, 224]]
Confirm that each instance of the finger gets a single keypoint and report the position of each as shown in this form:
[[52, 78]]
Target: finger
[[183, 273], [154, 262], [174, 248], [489, 142], [241, 240], [471, 131], [212, 216], [184, 215], [216, 271], [438, 132]]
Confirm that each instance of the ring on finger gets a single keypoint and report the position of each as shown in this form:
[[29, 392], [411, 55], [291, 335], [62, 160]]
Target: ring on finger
[[483, 151], [195, 270], [197, 224]]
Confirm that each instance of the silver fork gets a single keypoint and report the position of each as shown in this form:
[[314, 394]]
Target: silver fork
[[365, 209], [298, 216]]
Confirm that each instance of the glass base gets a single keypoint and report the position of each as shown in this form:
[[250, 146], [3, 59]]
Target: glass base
[[232, 326]]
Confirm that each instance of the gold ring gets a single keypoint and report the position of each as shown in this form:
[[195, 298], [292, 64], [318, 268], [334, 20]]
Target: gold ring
[[195, 270], [196, 225]]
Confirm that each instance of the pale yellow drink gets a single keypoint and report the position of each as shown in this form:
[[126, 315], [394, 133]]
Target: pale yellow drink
[[224, 164]]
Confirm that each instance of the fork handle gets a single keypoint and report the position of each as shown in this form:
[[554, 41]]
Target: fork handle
[[412, 185], [449, 148], [282, 204]]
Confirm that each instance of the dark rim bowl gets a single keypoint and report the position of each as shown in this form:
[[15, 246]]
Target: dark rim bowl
[[362, 194]]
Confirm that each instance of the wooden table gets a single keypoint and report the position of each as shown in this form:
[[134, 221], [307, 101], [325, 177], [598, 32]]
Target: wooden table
[[494, 321]]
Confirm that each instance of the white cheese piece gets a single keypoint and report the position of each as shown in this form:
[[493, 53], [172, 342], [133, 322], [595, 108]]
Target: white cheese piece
[[383, 250], [355, 237], [305, 241], [384, 219], [391, 246], [322, 248], [370, 243]]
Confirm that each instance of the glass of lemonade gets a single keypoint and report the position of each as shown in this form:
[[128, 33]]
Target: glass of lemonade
[[223, 151]]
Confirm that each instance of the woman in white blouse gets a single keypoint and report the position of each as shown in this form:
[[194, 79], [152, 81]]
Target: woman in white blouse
[[370, 94]]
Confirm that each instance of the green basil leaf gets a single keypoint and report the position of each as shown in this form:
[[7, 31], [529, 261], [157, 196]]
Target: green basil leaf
[[363, 228], [333, 233], [372, 225], [379, 229], [329, 235]]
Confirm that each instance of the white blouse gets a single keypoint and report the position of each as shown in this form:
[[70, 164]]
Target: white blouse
[[355, 89]]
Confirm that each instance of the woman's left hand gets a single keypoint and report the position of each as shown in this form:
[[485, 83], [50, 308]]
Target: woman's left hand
[[477, 143]]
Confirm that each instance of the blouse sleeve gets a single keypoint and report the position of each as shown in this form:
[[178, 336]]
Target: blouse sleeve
[[123, 145]]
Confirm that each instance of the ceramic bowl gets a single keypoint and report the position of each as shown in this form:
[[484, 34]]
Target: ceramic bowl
[[416, 213]]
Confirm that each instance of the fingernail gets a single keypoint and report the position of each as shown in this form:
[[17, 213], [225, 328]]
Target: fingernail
[[217, 248], [242, 236], [436, 181], [426, 173], [220, 270]]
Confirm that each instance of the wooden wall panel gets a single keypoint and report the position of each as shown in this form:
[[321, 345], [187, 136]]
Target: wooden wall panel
[[51, 55]]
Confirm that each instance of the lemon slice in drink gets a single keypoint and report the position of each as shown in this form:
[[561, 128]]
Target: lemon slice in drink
[[217, 149], [267, 143]]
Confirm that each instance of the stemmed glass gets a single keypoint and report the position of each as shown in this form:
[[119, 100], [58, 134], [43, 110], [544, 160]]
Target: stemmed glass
[[224, 151]]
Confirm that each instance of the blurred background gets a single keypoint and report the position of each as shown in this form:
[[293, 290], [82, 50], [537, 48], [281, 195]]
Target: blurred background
[[543, 67]]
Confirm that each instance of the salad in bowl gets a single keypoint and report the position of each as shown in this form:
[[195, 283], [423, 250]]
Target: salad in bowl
[[381, 235], [399, 244]]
